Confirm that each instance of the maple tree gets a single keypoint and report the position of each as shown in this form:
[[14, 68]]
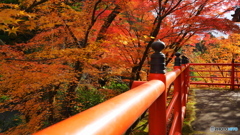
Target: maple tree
[[51, 50], [168, 24], [43, 73]]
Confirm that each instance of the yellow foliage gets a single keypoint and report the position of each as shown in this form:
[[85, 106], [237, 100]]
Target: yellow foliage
[[12, 30], [40, 75]]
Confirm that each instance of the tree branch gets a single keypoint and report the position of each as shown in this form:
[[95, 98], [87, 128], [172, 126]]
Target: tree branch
[[108, 22], [29, 9], [1, 42]]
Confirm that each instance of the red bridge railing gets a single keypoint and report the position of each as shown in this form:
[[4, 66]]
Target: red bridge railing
[[227, 74], [116, 115]]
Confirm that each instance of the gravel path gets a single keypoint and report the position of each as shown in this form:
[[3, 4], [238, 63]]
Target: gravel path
[[217, 110]]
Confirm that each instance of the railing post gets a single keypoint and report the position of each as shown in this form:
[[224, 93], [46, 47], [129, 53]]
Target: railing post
[[183, 79], [157, 111], [177, 88], [232, 75], [186, 77]]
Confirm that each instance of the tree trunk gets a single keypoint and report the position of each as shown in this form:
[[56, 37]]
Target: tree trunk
[[71, 92], [108, 22], [51, 97]]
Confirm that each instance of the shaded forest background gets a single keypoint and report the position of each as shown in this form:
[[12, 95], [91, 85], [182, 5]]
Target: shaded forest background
[[60, 57]]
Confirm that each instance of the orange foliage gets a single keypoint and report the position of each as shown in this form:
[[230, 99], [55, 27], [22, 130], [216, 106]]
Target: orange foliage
[[65, 48]]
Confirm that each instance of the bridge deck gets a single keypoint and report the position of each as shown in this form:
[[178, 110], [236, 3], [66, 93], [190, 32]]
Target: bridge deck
[[216, 108]]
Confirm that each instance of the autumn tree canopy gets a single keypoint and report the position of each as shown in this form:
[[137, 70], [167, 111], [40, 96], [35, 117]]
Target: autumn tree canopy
[[49, 49]]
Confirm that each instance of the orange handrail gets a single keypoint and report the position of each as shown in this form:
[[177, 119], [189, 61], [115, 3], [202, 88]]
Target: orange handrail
[[116, 115]]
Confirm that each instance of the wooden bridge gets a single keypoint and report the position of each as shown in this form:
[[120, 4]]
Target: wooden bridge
[[115, 116]]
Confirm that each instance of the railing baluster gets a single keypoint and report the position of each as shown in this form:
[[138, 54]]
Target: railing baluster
[[157, 111]]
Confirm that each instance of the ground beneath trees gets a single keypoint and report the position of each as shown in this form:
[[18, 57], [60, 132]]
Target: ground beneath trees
[[216, 108]]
